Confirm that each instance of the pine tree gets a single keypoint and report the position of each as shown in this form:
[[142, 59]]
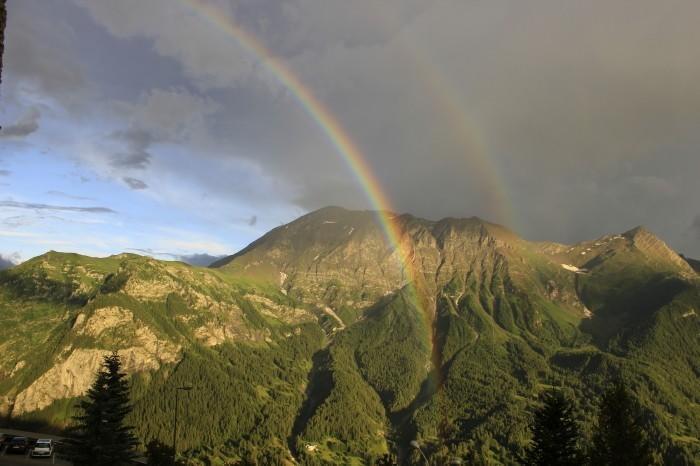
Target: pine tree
[[555, 433], [100, 436], [620, 439]]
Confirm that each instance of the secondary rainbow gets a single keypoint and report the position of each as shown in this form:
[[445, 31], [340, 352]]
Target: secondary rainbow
[[464, 131], [467, 135]]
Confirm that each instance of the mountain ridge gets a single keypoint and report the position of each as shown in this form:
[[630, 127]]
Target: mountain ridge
[[320, 313]]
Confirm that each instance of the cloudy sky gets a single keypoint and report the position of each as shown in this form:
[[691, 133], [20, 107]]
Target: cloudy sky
[[144, 125]]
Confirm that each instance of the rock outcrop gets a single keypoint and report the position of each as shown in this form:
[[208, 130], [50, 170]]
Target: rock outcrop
[[73, 376], [103, 319]]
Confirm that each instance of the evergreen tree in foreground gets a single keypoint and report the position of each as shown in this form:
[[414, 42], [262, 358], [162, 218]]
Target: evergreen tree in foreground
[[619, 439], [99, 436], [555, 434]]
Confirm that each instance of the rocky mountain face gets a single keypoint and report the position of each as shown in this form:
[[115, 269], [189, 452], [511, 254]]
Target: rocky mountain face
[[318, 343], [334, 255]]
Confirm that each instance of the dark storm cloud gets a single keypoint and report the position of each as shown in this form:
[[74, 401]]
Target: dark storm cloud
[[253, 220], [134, 183], [135, 160], [40, 52], [137, 142], [581, 117], [56, 208], [695, 227], [24, 126], [5, 172]]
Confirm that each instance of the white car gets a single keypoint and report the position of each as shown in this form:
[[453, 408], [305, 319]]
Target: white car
[[43, 447]]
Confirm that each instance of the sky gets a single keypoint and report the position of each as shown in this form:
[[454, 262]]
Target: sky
[[146, 126]]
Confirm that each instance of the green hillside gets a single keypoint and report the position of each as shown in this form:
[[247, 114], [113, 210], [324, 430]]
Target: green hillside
[[311, 344]]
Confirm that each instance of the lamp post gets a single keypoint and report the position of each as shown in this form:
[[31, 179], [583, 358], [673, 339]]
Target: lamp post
[[177, 398], [416, 445]]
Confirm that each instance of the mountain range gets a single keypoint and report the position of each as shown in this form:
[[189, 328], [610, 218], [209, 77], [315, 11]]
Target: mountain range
[[316, 343]]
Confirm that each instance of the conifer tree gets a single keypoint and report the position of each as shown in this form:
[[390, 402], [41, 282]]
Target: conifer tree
[[620, 439], [100, 437], [556, 435]]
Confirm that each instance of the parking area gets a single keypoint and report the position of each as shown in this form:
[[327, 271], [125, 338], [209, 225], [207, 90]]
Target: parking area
[[18, 460], [8, 458]]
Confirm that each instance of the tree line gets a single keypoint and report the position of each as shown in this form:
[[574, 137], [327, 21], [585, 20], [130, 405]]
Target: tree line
[[620, 437], [101, 436]]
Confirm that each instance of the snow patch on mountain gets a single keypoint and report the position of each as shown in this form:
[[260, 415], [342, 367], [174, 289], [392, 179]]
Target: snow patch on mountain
[[573, 268]]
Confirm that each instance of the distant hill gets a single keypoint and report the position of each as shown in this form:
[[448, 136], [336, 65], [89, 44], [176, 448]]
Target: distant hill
[[315, 343], [5, 263]]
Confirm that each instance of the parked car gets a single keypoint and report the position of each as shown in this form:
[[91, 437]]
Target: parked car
[[43, 447], [18, 445]]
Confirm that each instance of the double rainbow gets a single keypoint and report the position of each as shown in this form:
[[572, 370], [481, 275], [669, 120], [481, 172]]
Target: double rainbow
[[444, 99]]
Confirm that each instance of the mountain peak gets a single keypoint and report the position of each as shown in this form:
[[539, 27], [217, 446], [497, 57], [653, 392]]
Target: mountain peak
[[654, 247], [638, 231]]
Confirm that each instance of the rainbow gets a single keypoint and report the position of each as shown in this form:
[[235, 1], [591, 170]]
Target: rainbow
[[357, 163], [464, 130], [330, 126]]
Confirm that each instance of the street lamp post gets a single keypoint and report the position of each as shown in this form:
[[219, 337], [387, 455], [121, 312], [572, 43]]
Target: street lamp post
[[416, 445], [177, 398]]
